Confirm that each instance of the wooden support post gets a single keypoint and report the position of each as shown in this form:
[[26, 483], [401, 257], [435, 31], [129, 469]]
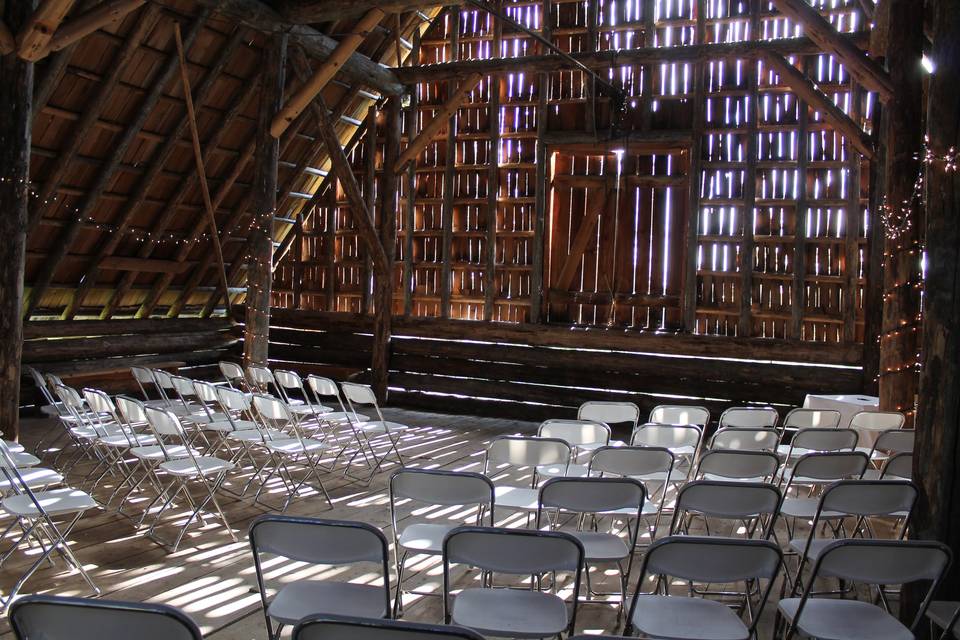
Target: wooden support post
[[256, 340], [800, 225], [297, 297], [543, 185], [349, 43], [865, 70], [589, 81], [16, 94], [747, 242], [105, 14], [410, 213], [807, 91], [851, 223], [370, 195], [7, 42], [937, 450], [449, 174], [33, 37], [493, 176], [899, 339], [691, 231], [384, 282]]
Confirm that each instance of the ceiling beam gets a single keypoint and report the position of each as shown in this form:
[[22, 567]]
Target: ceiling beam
[[357, 69], [107, 13], [34, 36], [311, 11], [865, 70]]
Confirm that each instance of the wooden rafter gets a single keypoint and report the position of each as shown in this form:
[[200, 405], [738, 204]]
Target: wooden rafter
[[866, 71], [147, 180], [118, 263], [33, 37], [357, 69], [106, 173], [808, 91], [7, 42], [314, 11], [325, 72], [440, 120], [108, 13]]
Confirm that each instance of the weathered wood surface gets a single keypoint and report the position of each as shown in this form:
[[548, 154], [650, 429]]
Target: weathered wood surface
[[313, 11]]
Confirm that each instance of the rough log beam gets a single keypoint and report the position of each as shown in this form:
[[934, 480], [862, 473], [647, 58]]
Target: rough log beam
[[357, 69], [384, 281], [117, 263], [16, 96], [108, 13], [7, 42], [603, 60], [865, 70], [325, 72], [33, 37], [440, 120], [106, 173], [256, 335], [162, 155], [808, 91], [313, 11]]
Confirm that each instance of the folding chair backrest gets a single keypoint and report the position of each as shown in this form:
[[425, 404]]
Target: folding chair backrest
[[232, 372], [442, 487], [233, 399], [131, 410], [610, 412], [41, 384], [164, 380], [521, 451], [899, 465], [99, 402], [812, 419], [345, 628], [288, 379], [164, 423], [738, 464], [261, 376], [877, 420], [205, 391], [318, 541], [56, 617], [592, 495], [746, 439], [883, 562], [272, 408], [678, 414], [869, 497], [513, 551], [667, 435], [895, 441], [825, 439], [830, 465], [719, 560], [183, 386], [324, 387], [359, 393], [575, 432], [143, 375], [69, 397], [728, 500], [631, 461], [749, 417]]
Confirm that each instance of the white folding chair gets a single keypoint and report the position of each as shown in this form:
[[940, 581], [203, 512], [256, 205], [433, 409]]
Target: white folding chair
[[581, 435], [888, 443], [246, 430], [471, 492], [168, 389], [703, 560], [261, 380], [145, 379], [880, 563], [330, 627], [505, 612], [652, 466], [683, 441], [818, 439], [803, 418], [511, 454], [289, 382], [739, 466], [207, 471], [746, 439], [87, 428], [55, 617], [366, 432], [591, 500], [336, 543], [47, 517], [812, 473], [870, 424], [326, 390], [751, 507], [233, 375], [757, 417], [897, 467], [296, 449]]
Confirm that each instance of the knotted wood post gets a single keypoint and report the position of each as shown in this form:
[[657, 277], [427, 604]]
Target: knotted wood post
[[16, 96], [260, 259]]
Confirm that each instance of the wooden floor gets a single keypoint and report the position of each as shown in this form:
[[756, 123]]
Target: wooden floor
[[212, 578]]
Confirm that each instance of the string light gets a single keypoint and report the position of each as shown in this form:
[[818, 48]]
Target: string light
[[898, 220]]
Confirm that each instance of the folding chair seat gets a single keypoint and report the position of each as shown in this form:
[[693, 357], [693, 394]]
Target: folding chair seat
[[581, 435], [881, 563], [419, 487], [683, 441], [208, 472], [738, 466], [702, 560], [34, 477], [518, 452], [651, 466], [745, 439], [47, 517], [753, 505], [516, 613], [367, 431], [294, 448], [610, 414], [753, 417], [330, 627], [336, 543], [818, 440], [597, 498], [56, 617], [815, 470]]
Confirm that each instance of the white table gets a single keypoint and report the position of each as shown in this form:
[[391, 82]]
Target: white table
[[848, 405]]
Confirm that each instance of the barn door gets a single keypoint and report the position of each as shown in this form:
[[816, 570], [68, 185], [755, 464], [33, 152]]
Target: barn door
[[616, 233]]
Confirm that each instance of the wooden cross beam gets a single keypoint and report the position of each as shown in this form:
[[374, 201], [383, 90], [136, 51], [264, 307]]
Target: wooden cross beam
[[440, 120], [103, 15], [808, 91], [596, 204], [34, 36], [325, 72], [313, 11], [118, 263], [866, 71]]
